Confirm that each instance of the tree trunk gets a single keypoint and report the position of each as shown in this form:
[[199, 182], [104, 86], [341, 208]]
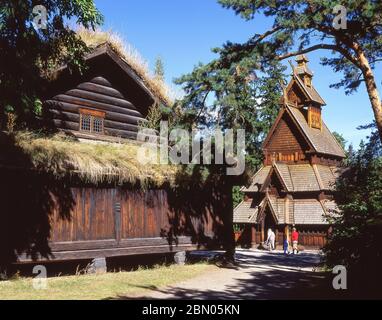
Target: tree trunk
[[227, 217], [372, 90]]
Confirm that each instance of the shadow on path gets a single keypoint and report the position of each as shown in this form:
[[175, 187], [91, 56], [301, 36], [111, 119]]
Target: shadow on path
[[258, 276]]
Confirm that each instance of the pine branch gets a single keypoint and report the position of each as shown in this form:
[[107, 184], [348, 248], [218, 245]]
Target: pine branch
[[307, 50]]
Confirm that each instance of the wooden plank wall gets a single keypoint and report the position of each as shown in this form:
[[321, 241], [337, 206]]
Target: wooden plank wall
[[309, 237], [122, 116], [316, 239], [295, 95], [110, 218], [286, 143], [91, 218]]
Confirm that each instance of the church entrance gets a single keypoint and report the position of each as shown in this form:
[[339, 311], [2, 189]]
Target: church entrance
[[269, 223]]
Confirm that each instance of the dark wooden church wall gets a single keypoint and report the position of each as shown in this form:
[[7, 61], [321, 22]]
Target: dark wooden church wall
[[122, 116], [312, 236], [286, 141], [309, 236]]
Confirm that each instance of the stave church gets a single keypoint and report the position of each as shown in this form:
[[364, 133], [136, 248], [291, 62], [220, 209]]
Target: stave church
[[302, 160]]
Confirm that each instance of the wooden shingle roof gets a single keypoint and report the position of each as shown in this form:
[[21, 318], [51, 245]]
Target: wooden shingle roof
[[245, 212], [322, 141], [328, 176], [311, 92], [284, 174], [331, 207], [303, 177], [279, 207], [258, 180], [296, 177], [300, 211], [309, 211]]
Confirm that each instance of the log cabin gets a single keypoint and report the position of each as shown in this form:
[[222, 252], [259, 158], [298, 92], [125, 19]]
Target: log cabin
[[80, 192], [302, 160]]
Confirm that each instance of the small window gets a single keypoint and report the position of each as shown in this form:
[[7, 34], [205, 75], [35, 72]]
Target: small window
[[92, 121], [308, 81], [97, 124], [86, 122]]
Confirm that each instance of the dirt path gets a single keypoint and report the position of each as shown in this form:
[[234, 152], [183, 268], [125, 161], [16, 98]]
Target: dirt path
[[260, 275]]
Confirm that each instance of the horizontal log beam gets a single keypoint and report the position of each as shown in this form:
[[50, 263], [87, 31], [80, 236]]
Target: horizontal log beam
[[121, 133], [74, 126], [116, 121], [100, 98], [102, 81], [70, 125], [94, 104], [112, 243], [98, 88], [120, 126], [109, 253]]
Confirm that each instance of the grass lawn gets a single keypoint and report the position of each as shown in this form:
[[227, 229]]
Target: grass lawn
[[110, 285]]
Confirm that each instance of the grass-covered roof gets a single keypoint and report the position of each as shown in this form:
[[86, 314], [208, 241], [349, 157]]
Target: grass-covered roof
[[92, 162], [132, 57]]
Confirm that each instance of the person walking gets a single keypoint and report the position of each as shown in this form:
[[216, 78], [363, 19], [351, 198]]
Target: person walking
[[271, 240], [286, 244], [295, 240]]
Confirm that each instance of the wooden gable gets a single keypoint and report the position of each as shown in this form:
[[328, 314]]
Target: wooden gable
[[295, 95], [301, 93], [285, 142], [273, 184], [108, 100]]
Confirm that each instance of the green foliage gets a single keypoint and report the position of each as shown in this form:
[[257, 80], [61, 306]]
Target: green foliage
[[29, 54], [159, 69], [241, 87], [340, 139], [303, 26], [229, 94], [302, 23], [237, 196], [357, 230], [153, 118]]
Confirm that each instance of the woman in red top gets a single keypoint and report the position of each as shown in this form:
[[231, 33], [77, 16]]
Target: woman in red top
[[295, 240]]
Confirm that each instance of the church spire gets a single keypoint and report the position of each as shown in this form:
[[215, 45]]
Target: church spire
[[303, 71]]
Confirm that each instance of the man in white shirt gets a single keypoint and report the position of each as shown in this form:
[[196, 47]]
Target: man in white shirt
[[271, 240]]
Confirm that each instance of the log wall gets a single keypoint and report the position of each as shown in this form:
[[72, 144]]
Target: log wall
[[122, 117]]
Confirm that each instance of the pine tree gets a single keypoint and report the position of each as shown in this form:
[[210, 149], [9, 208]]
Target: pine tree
[[351, 34], [340, 139], [159, 69]]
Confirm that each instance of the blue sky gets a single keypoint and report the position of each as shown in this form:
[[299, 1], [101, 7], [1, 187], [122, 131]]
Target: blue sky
[[183, 32]]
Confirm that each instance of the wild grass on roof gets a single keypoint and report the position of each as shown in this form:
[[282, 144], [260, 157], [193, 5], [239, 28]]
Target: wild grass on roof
[[94, 163], [132, 57]]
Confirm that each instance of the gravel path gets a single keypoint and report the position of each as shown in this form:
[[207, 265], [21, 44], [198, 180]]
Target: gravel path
[[259, 275]]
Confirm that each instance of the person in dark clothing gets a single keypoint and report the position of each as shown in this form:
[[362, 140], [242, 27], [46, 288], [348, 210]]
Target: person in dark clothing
[[286, 244]]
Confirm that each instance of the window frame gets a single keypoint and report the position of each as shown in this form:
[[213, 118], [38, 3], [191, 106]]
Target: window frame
[[94, 114]]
